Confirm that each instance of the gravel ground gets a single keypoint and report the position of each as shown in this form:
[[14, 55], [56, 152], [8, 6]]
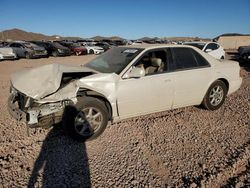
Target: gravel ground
[[187, 147]]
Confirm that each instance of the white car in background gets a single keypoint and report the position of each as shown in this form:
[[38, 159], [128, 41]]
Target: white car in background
[[212, 48], [7, 53], [121, 83], [138, 42], [94, 49]]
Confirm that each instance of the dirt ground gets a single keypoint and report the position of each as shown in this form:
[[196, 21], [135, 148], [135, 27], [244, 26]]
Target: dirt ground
[[187, 147]]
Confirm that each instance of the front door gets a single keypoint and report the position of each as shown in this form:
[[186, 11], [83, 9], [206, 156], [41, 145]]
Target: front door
[[150, 93]]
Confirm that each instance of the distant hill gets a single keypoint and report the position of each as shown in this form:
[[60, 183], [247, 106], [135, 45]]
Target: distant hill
[[18, 34], [99, 38], [187, 39], [175, 39]]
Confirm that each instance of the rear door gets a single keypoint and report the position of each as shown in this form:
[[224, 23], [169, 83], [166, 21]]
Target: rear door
[[191, 74]]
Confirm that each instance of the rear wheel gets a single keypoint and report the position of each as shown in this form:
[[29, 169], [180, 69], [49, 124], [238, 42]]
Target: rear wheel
[[86, 120], [55, 54], [215, 96]]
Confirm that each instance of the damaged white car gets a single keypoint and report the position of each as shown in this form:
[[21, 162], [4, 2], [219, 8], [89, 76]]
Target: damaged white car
[[7, 53], [123, 82]]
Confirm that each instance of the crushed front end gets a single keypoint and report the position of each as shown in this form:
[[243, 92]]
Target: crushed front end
[[24, 108]]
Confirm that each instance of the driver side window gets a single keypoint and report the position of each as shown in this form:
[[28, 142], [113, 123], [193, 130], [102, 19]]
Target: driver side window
[[153, 62]]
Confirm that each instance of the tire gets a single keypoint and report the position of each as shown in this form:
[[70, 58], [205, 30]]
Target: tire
[[91, 51], [78, 125], [215, 96], [27, 55], [245, 57], [54, 54]]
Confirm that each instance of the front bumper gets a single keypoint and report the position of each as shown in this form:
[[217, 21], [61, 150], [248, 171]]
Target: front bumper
[[64, 53], [38, 54], [14, 111], [44, 115], [96, 52], [7, 57]]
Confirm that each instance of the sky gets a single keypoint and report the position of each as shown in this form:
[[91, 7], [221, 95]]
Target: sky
[[130, 19]]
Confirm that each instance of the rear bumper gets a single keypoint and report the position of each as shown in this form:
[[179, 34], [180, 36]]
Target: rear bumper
[[234, 85]]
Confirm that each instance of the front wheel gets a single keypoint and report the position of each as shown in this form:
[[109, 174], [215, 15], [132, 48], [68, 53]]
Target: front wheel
[[86, 120], [245, 57], [215, 96], [28, 55], [55, 54], [91, 51]]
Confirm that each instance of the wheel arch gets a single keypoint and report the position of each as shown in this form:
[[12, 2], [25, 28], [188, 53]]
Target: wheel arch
[[225, 81], [91, 93]]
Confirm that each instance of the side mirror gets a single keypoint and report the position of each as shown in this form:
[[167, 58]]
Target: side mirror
[[208, 50], [136, 72]]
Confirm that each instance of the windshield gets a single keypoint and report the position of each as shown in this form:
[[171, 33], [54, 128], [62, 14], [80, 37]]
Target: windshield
[[114, 60], [197, 45], [28, 45], [58, 45]]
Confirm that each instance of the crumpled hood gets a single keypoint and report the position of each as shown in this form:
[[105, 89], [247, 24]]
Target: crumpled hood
[[42, 81], [6, 51]]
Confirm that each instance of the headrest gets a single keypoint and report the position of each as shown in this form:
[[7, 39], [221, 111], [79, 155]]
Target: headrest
[[156, 62]]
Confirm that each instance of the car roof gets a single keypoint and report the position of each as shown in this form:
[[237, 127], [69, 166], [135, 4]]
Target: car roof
[[199, 42], [155, 46]]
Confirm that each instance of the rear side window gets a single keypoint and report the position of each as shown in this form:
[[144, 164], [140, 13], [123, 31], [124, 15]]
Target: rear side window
[[202, 62], [212, 46], [13, 45], [187, 58]]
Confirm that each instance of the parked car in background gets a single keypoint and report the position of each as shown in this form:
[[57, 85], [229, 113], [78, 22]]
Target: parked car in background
[[212, 48], [60, 49], [103, 45], [86, 42], [27, 50], [137, 42], [244, 53], [91, 49], [47, 45], [122, 83], [75, 48], [7, 53], [3, 43]]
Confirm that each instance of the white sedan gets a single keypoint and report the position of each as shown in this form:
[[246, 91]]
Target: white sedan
[[212, 48], [94, 49], [123, 82], [7, 53]]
